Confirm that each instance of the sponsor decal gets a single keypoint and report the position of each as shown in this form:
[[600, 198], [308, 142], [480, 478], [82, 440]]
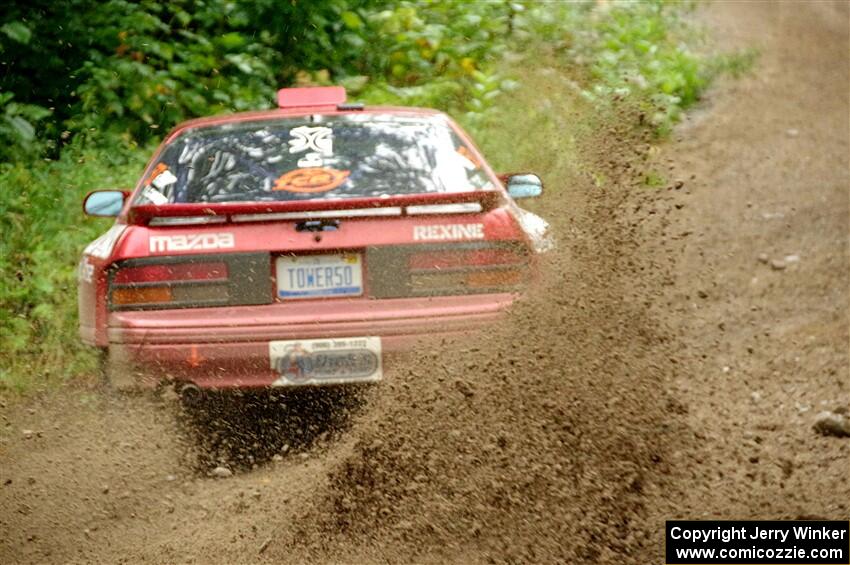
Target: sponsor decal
[[85, 271], [189, 242], [333, 360], [159, 180], [157, 170], [443, 232], [537, 229], [154, 196], [317, 140], [311, 160], [313, 138], [164, 179], [102, 246], [311, 180]]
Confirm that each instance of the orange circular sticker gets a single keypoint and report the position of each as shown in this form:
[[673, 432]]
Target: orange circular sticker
[[312, 179]]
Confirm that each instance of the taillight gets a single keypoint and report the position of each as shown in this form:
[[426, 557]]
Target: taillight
[[172, 272], [190, 283], [438, 270], [187, 282], [448, 258], [141, 295], [453, 270], [495, 278]]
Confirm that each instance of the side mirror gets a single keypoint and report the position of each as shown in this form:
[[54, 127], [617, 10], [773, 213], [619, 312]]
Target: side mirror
[[106, 203], [525, 185]]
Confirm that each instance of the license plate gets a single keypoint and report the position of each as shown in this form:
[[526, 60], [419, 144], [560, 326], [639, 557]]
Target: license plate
[[326, 361], [313, 276]]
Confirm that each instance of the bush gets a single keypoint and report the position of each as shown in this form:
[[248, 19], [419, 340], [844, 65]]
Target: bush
[[643, 51], [44, 231], [18, 140], [144, 66], [123, 72]]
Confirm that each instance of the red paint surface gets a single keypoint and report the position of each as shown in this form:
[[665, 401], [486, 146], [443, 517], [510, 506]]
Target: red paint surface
[[310, 96]]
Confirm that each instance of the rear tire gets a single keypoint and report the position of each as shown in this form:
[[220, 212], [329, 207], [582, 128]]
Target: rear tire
[[103, 376], [118, 374]]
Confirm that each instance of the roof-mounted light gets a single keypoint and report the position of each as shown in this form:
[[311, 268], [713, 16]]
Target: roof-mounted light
[[310, 96]]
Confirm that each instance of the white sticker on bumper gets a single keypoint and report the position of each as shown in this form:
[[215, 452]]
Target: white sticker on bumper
[[326, 361]]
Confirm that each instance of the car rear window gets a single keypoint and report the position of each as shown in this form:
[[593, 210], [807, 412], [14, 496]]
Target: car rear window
[[313, 157]]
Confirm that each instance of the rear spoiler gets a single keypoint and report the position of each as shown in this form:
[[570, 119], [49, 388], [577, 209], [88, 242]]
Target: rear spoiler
[[141, 215]]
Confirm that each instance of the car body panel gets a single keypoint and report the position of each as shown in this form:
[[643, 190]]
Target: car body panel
[[194, 344]]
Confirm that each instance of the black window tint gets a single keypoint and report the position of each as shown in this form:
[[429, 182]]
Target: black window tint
[[345, 156]]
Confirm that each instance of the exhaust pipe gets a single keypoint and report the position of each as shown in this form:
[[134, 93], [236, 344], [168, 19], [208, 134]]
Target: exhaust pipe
[[190, 395]]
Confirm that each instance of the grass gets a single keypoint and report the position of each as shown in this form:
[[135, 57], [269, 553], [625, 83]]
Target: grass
[[44, 232], [734, 64], [654, 179]]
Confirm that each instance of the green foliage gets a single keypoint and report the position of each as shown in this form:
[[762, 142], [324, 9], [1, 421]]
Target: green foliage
[[17, 31], [654, 179], [17, 128], [122, 71], [642, 50], [44, 231], [18, 121], [734, 64], [439, 53], [158, 64], [645, 52]]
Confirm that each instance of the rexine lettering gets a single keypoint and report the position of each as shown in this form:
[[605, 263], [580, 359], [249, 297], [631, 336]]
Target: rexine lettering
[[441, 232]]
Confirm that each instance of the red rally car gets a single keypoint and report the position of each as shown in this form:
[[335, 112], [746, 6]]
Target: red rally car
[[302, 246]]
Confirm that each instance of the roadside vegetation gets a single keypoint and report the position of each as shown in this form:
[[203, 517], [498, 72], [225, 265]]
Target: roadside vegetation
[[88, 88]]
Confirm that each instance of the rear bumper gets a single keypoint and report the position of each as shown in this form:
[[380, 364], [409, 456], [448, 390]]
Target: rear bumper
[[229, 347]]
